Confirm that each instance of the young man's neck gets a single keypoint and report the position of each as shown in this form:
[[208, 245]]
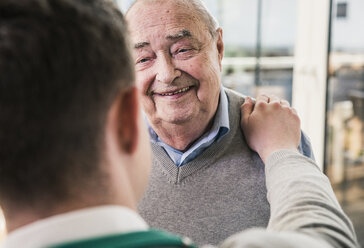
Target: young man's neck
[[17, 217]]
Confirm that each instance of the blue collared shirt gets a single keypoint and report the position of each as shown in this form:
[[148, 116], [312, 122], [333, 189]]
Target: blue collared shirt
[[218, 130]]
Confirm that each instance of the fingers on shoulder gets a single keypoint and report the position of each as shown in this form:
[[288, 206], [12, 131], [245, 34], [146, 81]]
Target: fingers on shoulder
[[247, 108], [294, 113], [274, 103], [285, 103], [262, 102]]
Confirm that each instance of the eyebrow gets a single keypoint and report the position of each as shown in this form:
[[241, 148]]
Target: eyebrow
[[181, 34], [141, 45]]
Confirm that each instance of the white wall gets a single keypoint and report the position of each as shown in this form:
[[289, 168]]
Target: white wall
[[347, 33], [124, 4]]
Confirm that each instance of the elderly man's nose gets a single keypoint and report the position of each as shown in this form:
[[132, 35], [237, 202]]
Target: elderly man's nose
[[166, 71]]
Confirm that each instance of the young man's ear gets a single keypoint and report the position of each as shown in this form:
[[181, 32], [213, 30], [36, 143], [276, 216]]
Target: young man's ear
[[123, 121]]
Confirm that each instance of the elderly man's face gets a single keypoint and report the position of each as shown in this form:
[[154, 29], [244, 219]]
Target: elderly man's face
[[178, 63]]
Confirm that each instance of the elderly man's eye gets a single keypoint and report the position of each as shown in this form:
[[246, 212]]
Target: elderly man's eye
[[143, 60], [183, 50]]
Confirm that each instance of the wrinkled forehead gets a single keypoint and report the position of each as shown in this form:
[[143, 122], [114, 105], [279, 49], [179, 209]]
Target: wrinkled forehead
[[162, 18]]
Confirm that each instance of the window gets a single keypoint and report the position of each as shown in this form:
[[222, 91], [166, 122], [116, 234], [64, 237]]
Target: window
[[345, 113], [341, 10], [259, 39]]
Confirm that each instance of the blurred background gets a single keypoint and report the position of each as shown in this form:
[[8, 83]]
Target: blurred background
[[311, 53]]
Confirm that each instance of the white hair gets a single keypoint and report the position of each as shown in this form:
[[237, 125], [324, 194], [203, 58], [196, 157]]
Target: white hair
[[200, 8]]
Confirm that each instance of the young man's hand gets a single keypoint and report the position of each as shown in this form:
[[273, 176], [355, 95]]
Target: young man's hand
[[270, 124]]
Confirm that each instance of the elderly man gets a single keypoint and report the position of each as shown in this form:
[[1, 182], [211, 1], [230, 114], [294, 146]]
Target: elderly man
[[203, 174], [75, 156]]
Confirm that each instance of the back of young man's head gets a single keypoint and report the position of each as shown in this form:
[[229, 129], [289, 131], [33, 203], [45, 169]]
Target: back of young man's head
[[62, 64]]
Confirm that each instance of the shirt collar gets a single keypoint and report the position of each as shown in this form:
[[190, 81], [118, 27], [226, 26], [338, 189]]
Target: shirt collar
[[76, 225], [222, 114]]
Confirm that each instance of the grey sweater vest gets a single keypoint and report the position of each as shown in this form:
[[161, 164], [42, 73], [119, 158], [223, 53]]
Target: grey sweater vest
[[219, 193]]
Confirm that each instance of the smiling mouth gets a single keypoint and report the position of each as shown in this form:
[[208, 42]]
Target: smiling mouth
[[175, 92]]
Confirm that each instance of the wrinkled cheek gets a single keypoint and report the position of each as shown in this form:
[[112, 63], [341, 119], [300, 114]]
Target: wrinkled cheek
[[140, 83], [210, 86], [143, 83], [148, 104], [145, 78]]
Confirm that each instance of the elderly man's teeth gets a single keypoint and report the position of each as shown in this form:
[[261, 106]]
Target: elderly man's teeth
[[176, 92]]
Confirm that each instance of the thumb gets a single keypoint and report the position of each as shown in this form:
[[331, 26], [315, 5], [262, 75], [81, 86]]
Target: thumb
[[246, 109]]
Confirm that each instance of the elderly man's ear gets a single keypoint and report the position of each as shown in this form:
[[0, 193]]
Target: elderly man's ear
[[220, 46], [122, 122]]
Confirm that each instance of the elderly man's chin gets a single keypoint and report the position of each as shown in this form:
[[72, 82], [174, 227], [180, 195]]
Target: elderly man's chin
[[177, 118], [176, 112]]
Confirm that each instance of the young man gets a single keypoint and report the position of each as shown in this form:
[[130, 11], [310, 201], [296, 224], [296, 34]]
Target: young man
[[200, 156], [74, 154]]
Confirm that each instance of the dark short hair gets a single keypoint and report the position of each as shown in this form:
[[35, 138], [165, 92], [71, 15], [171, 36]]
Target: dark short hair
[[62, 64]]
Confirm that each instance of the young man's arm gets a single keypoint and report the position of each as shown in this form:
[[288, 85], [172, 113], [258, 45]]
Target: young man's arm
[[304, 209]]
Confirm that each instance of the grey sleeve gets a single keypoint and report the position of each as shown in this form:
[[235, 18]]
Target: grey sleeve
[[305, 146], [304, 209], [302, 199]]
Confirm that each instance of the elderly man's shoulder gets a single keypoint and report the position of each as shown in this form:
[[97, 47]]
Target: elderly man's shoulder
[[234, 96]]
